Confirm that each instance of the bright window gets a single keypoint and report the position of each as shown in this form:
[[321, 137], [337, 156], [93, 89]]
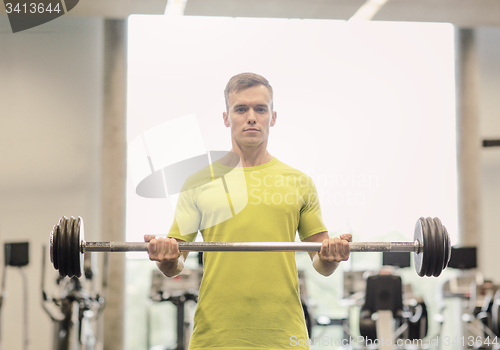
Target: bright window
[[366, 109]]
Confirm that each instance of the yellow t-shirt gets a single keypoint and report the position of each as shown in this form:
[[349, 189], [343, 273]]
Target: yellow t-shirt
[[248, 300]]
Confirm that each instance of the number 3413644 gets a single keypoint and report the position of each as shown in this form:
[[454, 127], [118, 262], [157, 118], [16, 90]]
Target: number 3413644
[[32, 8]]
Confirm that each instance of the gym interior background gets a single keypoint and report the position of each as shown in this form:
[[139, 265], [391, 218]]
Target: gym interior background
[[63, 116]]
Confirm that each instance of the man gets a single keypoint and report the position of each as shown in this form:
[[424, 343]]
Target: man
[[249, 300]]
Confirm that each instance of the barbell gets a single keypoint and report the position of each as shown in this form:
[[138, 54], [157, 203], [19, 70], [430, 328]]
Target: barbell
[[431, 246]]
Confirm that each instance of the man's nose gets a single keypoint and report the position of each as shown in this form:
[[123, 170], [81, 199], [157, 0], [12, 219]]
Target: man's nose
[[251, 117]]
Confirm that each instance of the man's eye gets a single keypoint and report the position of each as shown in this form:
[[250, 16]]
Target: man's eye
[[240, 110], [261, 110]]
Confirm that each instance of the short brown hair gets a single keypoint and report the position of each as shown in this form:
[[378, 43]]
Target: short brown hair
[[244, 81]]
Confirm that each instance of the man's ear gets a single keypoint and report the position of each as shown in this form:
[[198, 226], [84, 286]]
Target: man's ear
[[273, 118], [225, 116]]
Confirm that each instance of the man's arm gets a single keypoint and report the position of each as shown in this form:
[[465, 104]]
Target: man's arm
[[333, 251], [165, 251]]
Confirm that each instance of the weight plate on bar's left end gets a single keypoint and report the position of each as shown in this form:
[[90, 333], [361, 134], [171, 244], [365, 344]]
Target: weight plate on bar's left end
[[62, 247], [79, 237], [68, 267], [68, 237], [418, 258], [439, 242], [76, 266], [54, 236]]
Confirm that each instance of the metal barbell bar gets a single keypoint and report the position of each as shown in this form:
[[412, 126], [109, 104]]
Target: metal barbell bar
[[431, 245], [412, 247]]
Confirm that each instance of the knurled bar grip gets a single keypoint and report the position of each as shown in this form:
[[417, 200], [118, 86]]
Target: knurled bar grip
[[413, 247]]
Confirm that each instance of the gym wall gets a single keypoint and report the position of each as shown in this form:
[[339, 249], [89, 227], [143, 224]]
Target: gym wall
[[51, 94], [488, 49]]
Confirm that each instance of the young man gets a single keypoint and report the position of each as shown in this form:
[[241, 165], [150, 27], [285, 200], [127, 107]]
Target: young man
[[249, 300]]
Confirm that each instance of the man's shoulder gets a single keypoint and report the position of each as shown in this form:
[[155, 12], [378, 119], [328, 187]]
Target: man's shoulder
[[197, 178], [285, 168], [298, 177], [206, 175]]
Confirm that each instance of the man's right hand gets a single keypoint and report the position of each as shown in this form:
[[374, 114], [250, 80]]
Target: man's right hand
[[162, 249]]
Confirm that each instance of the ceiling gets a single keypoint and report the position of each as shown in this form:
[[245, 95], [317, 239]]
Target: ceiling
[[464, 13], [118, 8]]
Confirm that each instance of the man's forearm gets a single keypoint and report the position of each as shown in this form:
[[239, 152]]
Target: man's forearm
[[171, 268], [325, 268]]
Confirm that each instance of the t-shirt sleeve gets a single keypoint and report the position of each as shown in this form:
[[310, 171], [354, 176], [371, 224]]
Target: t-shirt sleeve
[[187, 217], [311, 221]]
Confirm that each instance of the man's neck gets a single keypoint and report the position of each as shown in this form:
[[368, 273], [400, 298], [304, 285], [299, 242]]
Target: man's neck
[[252, 156]]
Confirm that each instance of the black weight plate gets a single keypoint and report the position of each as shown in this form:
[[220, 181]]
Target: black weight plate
[[76, 244], [61, 247], [69, 238], [54, 238], [81, 238], [428, 243], [445, 242], [495, 314], [444, 245], [439, 242], [51, 244], [73, 261], [435, 249], [418, 258], [58, 241], [447, 248], [73, 248], [432, 249], [425, 238], [67, 248], [76, 248], [68, 266]]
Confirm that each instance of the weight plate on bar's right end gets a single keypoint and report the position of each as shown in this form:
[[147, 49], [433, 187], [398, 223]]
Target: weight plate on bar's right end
[[447, 251], [428, 246], [419, 258], [446, 244], [432, 250], [439, 242]]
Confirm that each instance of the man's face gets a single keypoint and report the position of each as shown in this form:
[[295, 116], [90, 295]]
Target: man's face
[[250, 115]]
